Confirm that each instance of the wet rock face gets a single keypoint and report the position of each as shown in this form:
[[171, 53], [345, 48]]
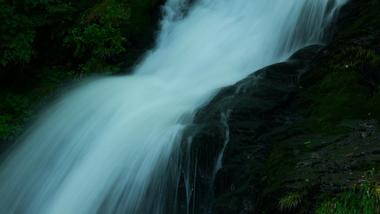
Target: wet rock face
[[305, 129], [257, 129], [231, 130]]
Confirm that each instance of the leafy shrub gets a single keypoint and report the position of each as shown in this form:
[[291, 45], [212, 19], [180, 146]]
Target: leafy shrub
[[98, 37], [16, 36], [14, 111]]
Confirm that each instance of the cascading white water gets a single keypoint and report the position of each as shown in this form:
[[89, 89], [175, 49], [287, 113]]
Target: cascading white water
[[99, 148]]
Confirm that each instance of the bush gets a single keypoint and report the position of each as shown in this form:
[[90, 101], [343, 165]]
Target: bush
[[98, 37], [16, 35]]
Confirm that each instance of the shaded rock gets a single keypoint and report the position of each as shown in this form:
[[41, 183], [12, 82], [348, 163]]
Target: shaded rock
[[234, 124], [306, 127]]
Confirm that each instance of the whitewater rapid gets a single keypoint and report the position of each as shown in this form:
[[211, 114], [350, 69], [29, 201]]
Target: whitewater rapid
[[100, 148]]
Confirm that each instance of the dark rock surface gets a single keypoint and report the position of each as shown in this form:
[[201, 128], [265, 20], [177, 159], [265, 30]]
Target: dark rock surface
[[307, 127], [241, 117], [254, 111]]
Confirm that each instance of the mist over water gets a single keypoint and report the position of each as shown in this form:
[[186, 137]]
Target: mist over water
[[107, 146]]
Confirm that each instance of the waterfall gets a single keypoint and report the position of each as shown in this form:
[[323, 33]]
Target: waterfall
[[107, 146]]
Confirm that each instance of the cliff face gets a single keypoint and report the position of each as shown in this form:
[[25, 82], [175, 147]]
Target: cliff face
[[300, 136]]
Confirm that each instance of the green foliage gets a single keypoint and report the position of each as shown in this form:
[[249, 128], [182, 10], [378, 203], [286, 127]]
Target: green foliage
[[98, 36], [26, 23], [290, 202], [18, 108], [44, 43], [5, 128], [81, 35], [14, 110], [16, 36]]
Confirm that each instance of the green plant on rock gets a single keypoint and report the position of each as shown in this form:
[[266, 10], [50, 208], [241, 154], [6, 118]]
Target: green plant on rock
[[362, 199], [290, 201]]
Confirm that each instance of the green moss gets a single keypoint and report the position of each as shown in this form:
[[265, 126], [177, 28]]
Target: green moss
[[339, 97], [345, 92], [367, 20], [374, 104], [280, 156]]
